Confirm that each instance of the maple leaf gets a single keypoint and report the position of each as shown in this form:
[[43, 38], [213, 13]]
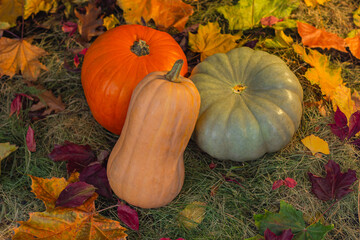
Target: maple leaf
[[30, 140], [340, 128], [69, 27], [110, 22], [343, 100], [75, 194], [77, 156], [192, 215], [165, 13], [290, 218], [48, 102], [314, 3], [20, 56], [35, 6], [128, 216], [209, 40], [89, 22], [356, 17], [354, 45], [313, 37], [335, 185], [280, 40], [285, 235], [9, 11], [316, 144], [78, 223], [289, 182], [269, 21], [248, 13], [5, 150]]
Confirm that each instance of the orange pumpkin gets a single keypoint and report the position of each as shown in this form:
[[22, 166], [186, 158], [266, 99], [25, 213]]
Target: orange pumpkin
[[117, 61], [146, 166]]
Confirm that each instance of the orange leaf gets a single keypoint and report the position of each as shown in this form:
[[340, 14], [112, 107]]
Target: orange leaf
[[316, 144], [354, 45], [165, 13], [20, 56], [313, 37], [89, 22]]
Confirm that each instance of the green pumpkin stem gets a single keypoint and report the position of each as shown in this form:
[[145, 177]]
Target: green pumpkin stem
[[174, 73], [140, 48]]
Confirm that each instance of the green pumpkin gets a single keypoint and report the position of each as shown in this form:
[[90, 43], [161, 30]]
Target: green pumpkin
[[251, 104]]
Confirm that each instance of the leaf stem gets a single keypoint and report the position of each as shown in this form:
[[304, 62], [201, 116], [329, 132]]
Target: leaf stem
[[112, 206], [318, 218], [16, 36]]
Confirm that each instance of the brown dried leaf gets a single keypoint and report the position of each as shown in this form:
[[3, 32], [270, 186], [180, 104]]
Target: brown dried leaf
[[89, 22], [49, 101]]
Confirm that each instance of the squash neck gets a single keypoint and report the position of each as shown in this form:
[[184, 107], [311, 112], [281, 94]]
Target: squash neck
[[173, 74], [140, 48]]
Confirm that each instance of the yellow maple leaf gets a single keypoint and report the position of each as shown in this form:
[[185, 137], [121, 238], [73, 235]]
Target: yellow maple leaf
[[280, 40], [314, 3], [9, 11], [35, 6], [193, 214], [18, 55], [316, 144], [165, 13], [110, 22], [343, 100], [209, 40]]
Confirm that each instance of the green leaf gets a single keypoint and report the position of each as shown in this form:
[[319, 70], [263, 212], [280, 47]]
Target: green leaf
[[289, 217], [287, 23], [356, 17], [248, 13], [280, 41], [5, 150], [353, 33]]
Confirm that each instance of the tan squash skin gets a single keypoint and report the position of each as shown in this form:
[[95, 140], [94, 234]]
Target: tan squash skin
[[146, 167]]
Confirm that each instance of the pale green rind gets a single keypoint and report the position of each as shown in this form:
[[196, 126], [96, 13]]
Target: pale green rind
[[263, 118]]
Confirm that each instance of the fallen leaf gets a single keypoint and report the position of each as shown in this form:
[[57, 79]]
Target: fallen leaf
[[356, 17], [69, 27], [343, 100], [35, 6], [89, 22], [269, 21], [5, 150], [20, 56], [30, 140], [110, 22], [128, 216], [354, 45], [313, 37], [192, 215], [285, 235], [316, 144], [75, 194], [335, 185], [77, 156], [230, 179], [248, 13], [280, 40], [95, 174], [314, 3], [48, 102], [165, 13], [209, 40], [82, 222], [354, 124], [9, 11], [287, 23], [76, 60], [290, 218], [212, 165], [289, 182], [340, 127], [16, 104]]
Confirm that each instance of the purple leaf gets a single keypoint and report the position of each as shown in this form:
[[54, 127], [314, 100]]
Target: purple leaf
[[340, 128], [95, 174], [30, 140], [15, 106], [128, 216], [354, 124], [251, 44], [229, 179], [285, 235], [335, 185], [102, 156], [78, 156], [75, 194]]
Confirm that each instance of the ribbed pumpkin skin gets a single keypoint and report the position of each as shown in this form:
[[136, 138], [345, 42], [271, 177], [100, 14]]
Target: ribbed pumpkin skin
[[262, 118], [111, 71], [146, 166]]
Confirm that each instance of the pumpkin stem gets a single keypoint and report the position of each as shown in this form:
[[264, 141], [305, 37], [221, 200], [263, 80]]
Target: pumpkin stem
[[174, 73], [140, 48]]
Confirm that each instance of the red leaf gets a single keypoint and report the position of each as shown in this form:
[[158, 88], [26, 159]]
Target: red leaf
[[76, 60], [30, 140], [278, 184], [83, 52], [354, 124], [69, 27], [95, 174], [285, 235], [16, 106], [75, 194], [128, 216], [269, 21], [335, 185], [229, 179], [78, 156], [340, 128], [212, 165], [291, 183]]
